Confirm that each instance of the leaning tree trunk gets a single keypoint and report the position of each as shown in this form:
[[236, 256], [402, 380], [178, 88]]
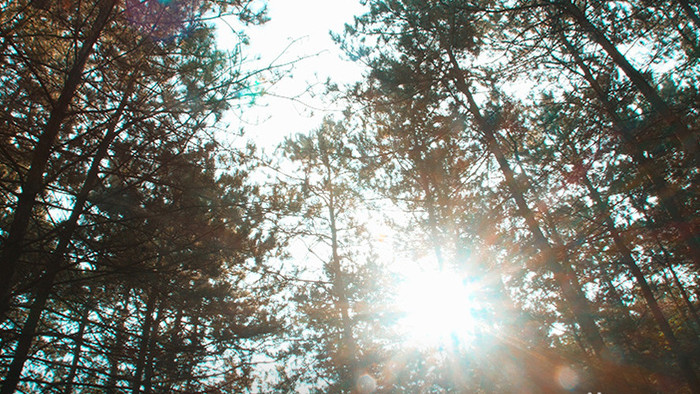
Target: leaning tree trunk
[[690, 12], [667, 197], [573, 296], [625, 254], [684, 294], [668, 289], [55, 264], [34, 180], [625, 317], [666, 260], [681, 131], [80, 336]]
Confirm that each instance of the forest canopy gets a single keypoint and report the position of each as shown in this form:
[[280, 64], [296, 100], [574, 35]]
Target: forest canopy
[[508, 203]]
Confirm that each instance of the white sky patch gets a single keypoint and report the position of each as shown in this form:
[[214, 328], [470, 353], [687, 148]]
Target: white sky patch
[[298, 37]]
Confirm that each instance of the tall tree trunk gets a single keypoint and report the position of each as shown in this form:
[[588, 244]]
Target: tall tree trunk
[[666, 260], [34, 181], [573, 296], [432, 218], [26, 336], [55, 264], [144, 343], [608, 371], [116, 350], [668, 290], [625, 316], [169, 355], [79, 337], [646, 166], [343, 305], [190, 363], [681, 131], [349, 353], [535, 360], [684, 295], [150, 355], [625, 254], [690, 12]]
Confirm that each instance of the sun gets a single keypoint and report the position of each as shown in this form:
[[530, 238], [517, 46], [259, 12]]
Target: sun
[[438, 308]]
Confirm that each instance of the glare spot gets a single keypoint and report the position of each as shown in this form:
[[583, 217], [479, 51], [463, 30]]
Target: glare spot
[[568, 379], [366, 384], [439, 308]]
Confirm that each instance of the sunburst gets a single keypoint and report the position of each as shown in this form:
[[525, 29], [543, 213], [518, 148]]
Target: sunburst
[[438, 307]]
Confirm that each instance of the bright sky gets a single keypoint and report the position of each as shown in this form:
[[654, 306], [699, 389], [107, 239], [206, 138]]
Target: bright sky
[[297, 29]]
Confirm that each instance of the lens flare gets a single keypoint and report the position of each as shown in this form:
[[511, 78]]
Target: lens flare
[[567, 377], [366, 384], [439, 308]]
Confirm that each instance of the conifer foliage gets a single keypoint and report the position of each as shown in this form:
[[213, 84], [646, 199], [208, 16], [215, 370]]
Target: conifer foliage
[[123, 245], [595, 168], [509, 203]]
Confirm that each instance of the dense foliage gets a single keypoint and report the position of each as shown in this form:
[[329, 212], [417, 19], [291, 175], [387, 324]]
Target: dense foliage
[[124, 245], [542, 155]]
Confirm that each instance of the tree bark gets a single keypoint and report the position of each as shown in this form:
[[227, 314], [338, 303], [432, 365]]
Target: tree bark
[[432, 217], [625, 317], [26, 336], [143, 345], [150, 356], [174, 341], [55, 264], [667, 196], [349, 356], [116, 352], [190, 363], [573, 296], [690, 12], [681, 130], [684, 295], [34, 180], [625, 254], [668, 291], [76, 351], [666, 263]]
